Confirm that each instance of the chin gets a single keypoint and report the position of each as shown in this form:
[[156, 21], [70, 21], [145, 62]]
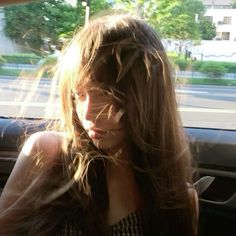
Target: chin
[[105, 146]]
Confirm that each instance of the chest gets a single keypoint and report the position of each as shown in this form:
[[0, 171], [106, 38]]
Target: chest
[[124, 198]]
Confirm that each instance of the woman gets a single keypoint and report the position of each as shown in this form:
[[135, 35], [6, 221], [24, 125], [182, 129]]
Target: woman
[[120, 163]]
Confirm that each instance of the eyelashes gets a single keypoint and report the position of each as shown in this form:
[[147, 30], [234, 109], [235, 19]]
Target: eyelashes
[[78, 96]]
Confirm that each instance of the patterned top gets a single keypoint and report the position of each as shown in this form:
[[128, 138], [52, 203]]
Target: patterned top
[[128, 226]]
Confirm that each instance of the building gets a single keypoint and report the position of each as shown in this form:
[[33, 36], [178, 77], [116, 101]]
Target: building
[[218, 4], [225, 22], [223, 15], [223, 47]]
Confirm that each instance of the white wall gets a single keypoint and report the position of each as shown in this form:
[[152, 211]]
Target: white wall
[[215, 50], [218, 15]]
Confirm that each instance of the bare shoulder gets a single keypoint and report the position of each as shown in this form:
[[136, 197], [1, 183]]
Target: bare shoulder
[[47, 143], [39, 149]]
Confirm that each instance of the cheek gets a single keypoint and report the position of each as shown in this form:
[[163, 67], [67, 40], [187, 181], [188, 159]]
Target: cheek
[[80, 116], [118, 116], [79, 111], [116, 128], [116, 120]]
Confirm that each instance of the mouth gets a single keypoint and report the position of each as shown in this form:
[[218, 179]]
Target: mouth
[[96, 133]]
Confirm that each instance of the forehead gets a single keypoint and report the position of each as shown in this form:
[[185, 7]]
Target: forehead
[[96, 91], [90, 87]]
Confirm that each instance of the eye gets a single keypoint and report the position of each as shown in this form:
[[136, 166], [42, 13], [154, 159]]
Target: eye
[[80, 96]]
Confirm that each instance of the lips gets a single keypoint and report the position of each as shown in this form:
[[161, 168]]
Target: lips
[[97, 133]]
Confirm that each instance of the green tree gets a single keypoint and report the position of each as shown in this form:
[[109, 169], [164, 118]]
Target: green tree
[[233, 5], [174, 19], [97, 6], [137, 7], [178, 20], [207, 29], [41, 24]]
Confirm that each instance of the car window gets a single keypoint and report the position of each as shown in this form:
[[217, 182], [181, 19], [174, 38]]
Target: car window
[[199, 37]]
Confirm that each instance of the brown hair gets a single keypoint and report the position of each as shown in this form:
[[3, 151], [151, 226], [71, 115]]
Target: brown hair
[[125, 57]]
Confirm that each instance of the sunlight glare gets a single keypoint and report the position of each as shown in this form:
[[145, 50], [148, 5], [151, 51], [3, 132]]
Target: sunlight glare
[[73, 3]]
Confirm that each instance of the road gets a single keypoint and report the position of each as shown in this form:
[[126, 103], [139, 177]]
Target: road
[[199, 106], [207, 106]]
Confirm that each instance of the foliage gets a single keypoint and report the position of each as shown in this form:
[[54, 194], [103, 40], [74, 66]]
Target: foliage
[[49, 60], [10, 72], [172, 55], [47, 65], [2, 60], [233, 5], [135, 7], [174, 19], [213, 69], [229, 66], [207, 29], [21, 58], [39, 25], [206, 81], [97, 6], [182, 64]]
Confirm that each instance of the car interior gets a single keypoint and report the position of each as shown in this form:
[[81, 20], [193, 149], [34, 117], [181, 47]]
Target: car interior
[[214, 151]]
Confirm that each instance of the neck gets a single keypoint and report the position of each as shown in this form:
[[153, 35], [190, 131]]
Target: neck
[[120, 160], [123, 192]]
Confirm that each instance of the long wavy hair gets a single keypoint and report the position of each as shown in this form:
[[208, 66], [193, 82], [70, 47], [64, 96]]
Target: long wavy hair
[[125, 58]]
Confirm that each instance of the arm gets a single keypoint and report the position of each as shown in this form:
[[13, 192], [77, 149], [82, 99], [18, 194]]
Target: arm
[[45, 143]]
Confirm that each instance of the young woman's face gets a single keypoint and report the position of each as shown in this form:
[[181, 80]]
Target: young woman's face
[[100, 118]]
